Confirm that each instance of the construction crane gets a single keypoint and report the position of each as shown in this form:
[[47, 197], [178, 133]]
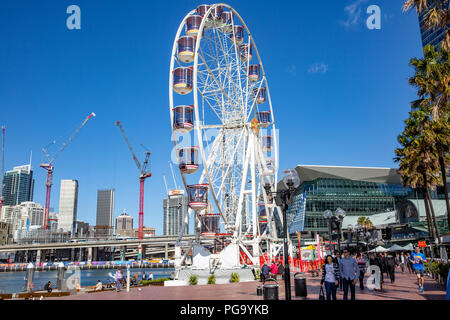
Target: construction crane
[[3, 168], [50, 168], [173, 176], [143, 174]]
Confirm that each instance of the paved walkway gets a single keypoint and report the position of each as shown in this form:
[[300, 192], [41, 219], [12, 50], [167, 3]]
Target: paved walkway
[[404, 288]]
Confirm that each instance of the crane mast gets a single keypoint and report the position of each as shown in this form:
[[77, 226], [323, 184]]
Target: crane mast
[[144, 173], [49, 167], [2, 168]]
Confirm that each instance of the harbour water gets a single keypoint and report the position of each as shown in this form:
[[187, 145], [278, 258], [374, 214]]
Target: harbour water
[[14, 282]]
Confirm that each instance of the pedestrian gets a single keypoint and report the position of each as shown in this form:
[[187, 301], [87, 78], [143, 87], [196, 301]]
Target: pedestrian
[[330, 276], [274, 270], [150, 276], [280, 269], [264, 272], [402, 261], [99, 286], [417, 259], [48, 287], [349, 270], [390, 266], [144, 276], [136, 278], [362, 264], [408, 263], [382, 265], [119, 278]]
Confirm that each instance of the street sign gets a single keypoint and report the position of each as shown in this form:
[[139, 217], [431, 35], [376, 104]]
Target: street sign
[[422, 244]]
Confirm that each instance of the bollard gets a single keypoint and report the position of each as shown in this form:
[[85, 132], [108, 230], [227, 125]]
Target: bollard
[[60, 276], [259, 291], [29, 277], [300, 285], [270, 291], [128, 278]]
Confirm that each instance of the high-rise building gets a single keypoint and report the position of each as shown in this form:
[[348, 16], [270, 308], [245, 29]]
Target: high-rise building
[[124, 225], [81, 229], [68, 203], [175, 207], [432, 36], [105, 212], [18, 185]]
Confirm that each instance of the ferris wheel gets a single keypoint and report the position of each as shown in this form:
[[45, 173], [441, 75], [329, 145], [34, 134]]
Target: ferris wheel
[[223, 129]]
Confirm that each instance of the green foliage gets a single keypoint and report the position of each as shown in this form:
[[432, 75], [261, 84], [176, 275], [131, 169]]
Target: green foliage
[[234, 277], [150, 282], [193, 280], [257, 274], [212, 279]]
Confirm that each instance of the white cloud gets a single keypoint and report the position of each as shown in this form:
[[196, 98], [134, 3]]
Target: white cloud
[[318, 68], [353, 11], [292, 69]]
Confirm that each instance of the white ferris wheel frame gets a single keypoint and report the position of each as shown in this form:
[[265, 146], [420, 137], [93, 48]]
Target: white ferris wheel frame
[[254, 155]]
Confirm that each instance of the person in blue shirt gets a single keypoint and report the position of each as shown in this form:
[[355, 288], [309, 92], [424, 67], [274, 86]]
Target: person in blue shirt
[[417, 259]]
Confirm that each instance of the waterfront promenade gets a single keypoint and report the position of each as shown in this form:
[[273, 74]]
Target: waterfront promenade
[[404, 288]]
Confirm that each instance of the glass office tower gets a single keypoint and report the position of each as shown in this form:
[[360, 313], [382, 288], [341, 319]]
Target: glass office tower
[[432, 36]]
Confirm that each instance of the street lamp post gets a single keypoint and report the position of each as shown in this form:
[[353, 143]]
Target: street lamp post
[[283, 198], [336, 217]]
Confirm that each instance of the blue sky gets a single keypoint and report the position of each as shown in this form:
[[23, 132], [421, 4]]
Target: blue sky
[[339, 90]]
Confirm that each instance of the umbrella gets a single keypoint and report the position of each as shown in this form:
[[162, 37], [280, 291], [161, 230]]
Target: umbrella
[[396, 247], [379, 249], [408, 247]]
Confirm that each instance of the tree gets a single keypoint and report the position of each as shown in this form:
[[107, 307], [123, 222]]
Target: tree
[[418, 160], [365, 222], [437, 17], [431, 78]]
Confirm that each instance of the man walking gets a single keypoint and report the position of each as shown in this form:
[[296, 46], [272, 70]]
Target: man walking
[[417, 259], [390, 266], [402, 261], [349, 271]]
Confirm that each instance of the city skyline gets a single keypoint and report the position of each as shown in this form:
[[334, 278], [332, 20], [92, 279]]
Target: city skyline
[[342, 58]]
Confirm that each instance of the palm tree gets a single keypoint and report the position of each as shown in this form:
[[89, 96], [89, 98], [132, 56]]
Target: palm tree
[[365, 222], [431, 78], [438, 16], [418, 161]]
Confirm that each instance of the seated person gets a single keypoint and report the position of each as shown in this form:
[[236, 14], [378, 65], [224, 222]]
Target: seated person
[[48, 286]]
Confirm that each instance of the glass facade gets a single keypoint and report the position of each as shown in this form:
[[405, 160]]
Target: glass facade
[[18, 186], [356, 198], [432, 36]]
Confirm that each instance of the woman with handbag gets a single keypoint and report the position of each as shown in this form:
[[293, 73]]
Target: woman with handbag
[[330, 276]]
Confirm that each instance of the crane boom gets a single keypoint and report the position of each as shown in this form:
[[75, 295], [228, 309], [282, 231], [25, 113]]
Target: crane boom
[[165, 183], [138, 165], [65, 144], [49, 167], [173, 176]]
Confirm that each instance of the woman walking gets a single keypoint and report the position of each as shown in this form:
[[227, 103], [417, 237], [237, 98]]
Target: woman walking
[[330, 276], [118, 277]]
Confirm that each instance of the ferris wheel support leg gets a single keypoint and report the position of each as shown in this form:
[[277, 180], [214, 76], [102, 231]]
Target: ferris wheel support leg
[[178, 259], [255, 246], [241, 196]]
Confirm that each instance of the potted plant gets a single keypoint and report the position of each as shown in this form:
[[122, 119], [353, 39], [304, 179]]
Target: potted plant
[[212, 279], [193, 280], [234, 277]]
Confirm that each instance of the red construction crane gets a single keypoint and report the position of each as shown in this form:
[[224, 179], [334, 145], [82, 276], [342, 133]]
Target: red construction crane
[[49, 167], [3, 168], [143, 174]]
